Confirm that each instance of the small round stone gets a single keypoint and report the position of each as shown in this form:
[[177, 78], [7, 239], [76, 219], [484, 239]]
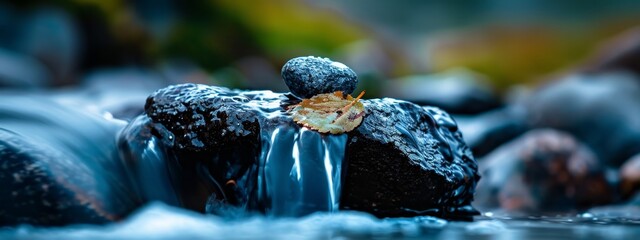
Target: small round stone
[[309, 76]]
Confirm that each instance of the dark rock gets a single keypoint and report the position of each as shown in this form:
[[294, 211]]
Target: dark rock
[[206, 118], [544, 170], [219, 142], [41, 186], [59, 165], [419, 166], [405, 160], [309, 76]]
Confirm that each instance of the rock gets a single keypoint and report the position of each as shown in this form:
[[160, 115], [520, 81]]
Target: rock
[[41, 186], [220, 142], [309, 76], [416, 159], [59, 165], [543, 170], [419, 167]]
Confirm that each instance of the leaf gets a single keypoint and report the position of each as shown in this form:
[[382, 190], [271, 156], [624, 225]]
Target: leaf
[[332, 113]]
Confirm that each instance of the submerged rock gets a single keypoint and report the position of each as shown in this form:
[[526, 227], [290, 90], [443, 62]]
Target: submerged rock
[[309, 76], [242, 149]]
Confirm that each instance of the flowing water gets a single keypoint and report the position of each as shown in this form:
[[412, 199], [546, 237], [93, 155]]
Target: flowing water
[[302, 170], [302, 165], [158, 221], [286, 171]]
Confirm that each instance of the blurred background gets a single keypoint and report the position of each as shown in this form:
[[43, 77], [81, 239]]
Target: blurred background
[[243, 44], [504, 68]]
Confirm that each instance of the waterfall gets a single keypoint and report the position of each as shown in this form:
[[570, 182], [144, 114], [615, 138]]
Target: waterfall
[[301, 170]]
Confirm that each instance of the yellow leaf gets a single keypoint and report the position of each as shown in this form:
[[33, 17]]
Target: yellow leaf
[[332, 113]]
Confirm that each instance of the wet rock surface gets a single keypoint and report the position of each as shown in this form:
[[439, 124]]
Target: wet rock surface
[[210, 133], [43, 187], [403, 160], [407, 160], [59, 166], [309, 76]]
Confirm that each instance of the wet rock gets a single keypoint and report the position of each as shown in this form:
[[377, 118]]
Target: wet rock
[[220, 142], [59, 165], [455, 91], [206, 118], [309, 76], [407, 160], [421, 166], [42, 187], [543, 170]]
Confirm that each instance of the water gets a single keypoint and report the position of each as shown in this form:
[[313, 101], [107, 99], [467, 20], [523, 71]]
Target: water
[[276, 168], [159, 221], [62, 158], [305, 178], [302, 171]]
